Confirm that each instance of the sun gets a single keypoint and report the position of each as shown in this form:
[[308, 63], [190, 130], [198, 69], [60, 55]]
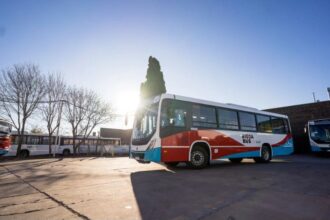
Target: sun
[[126, 102]]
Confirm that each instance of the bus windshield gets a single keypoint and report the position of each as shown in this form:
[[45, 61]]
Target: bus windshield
[[145, 124], [320, 133]]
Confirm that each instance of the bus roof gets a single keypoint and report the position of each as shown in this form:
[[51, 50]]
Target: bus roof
[[223, 105], [78, 137], [320, 121]]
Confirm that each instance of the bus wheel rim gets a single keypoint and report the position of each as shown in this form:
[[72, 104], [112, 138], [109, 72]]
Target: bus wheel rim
[[197, 158], [265, 154]]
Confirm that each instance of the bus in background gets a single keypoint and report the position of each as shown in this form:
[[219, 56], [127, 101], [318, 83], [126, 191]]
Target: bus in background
[[173, 129], [32, 145], [36, 145], [93, 145], [5, 141], [319, 135]]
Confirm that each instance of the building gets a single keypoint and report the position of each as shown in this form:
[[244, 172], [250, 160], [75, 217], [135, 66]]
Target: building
[[299, 115], [123, 134]]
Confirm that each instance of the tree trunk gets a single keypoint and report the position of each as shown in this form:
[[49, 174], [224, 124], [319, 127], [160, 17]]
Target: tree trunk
[[50, 144], [19, 145], [20, 139], [74, 145]]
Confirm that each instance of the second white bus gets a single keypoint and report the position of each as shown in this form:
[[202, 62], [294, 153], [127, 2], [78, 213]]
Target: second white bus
[[319, 135], [35, 145]]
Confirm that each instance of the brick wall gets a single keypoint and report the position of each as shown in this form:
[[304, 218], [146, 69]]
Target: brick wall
[[299, 115]]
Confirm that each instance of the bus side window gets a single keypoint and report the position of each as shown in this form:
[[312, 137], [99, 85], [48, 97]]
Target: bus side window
[[172, 116], [33, 139], [204, 116], [264, 124], [228, 119], [247, 121], [279, 126]]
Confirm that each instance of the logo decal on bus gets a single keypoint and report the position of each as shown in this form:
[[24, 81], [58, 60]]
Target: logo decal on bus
[[246, 138]]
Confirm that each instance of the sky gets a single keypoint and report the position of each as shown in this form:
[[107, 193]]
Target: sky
[[258, 53]]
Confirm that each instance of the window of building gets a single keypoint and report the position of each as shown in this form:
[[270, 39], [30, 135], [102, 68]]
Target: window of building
[[264, 124], [228, 119], [247, 121], [203, 116]]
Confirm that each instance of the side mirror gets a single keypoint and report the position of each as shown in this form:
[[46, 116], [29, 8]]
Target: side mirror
[[305, 130]]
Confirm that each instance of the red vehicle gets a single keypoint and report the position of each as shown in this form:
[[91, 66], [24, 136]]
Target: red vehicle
[[5, 141]]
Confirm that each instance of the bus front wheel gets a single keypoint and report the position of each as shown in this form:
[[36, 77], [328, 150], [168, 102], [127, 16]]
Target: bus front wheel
[[199, 158]]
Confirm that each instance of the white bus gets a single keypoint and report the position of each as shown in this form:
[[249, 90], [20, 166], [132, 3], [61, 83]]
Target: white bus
[[34, 145], [5, 130], [173, 129], [319, 135]]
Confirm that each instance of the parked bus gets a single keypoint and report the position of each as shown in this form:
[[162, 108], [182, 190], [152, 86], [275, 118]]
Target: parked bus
[[173, 129], [34, 145], [319, 135], [91, 145], [5, 130]]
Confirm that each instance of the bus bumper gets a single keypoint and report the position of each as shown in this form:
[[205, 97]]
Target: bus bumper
[[139, 157], [320, 149], [147, 156]]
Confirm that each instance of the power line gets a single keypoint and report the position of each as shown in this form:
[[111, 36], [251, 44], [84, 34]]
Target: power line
[[8, 100]]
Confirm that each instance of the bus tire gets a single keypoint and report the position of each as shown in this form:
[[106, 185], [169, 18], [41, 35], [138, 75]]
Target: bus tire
[[266, 155], [66, 152], [235, 160], [24, 154], [199, 158], [171, 164]]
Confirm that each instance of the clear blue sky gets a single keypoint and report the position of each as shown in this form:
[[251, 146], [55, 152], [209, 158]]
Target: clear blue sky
[[257, 53]]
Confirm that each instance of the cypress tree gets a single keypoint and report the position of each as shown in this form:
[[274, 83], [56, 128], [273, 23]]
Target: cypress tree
[[155, 84]]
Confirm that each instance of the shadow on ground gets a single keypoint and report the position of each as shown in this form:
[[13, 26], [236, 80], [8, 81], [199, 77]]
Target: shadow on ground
[[225, 190]]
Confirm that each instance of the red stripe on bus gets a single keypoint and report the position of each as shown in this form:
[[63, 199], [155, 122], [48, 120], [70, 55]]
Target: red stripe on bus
[[285, 139], [186, 138]]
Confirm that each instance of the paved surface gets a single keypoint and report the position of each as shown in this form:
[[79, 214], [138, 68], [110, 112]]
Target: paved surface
[[296, 187]]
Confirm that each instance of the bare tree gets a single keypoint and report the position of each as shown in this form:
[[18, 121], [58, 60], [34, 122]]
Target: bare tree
[[21, 89], [84, 111], [52, 109], [97, 113], [74, 110]]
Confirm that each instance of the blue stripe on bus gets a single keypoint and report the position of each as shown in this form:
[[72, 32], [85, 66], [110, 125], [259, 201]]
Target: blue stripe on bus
[[244, 154], [153, 154], [285, 149]]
